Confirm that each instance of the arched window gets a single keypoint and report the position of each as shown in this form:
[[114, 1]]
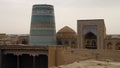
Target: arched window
[[117, 46], [24, 41], [73, 42], [109, 45], [93, 42], [59, 43], [87, 42], [66, 42]]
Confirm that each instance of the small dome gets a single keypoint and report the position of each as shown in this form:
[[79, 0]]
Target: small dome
[[66, 32], [66, 29]]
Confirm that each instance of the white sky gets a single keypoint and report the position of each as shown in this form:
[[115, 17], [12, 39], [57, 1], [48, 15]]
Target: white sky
[[15, 15]]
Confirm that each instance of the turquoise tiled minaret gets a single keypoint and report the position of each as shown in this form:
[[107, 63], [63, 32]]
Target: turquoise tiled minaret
[[42, 31]]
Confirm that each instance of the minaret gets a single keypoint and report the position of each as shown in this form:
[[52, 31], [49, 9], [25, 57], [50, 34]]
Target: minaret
[[42, 31]]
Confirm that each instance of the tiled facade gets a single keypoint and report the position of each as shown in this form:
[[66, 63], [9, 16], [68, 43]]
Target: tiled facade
[[42, 31]]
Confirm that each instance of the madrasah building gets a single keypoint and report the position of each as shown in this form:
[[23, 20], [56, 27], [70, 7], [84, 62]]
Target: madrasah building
[[44, 47]]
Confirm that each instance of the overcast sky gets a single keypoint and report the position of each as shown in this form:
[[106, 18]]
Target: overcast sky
[[15, 15]]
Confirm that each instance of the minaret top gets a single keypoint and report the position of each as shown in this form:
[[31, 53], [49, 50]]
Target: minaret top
[[43, 5]]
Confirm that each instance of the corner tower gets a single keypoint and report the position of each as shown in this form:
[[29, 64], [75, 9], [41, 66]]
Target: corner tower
[[42, 31]]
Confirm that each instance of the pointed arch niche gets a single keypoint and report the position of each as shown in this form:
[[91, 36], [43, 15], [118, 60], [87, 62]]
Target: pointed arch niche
[[90, 41], [90, 33]]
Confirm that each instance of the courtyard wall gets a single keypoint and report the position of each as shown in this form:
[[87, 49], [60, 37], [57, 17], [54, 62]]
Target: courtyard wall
[[68, 55]]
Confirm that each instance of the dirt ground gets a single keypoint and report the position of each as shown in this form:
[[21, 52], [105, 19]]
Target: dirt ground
[[91, 64]]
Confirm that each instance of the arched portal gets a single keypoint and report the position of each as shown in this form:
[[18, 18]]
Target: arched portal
[[90, 40]]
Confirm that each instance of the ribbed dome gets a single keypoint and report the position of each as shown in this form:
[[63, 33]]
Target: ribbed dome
[[66, 32]]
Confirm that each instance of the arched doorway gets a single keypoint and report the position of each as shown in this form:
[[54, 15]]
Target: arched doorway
[[90, 41]]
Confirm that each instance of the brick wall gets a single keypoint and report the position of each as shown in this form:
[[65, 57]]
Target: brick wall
[[68, 55]]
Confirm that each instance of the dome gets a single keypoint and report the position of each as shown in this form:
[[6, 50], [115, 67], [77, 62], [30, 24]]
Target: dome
[[66, 29], [66, 32]]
